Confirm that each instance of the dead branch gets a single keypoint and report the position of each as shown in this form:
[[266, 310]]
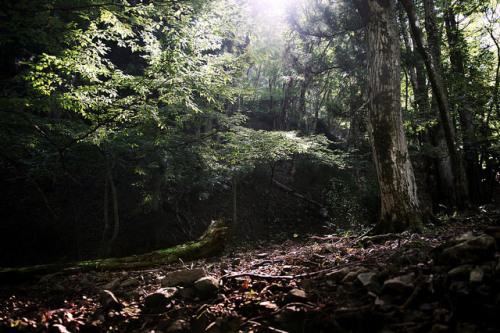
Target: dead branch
[[326, 238], [258, 276], [297, 195]]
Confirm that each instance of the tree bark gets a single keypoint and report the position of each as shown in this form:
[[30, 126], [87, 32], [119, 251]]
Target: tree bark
[[234, 189], [157, 174], [439, 176], [114, 196], [444, 179], [400, 203], [302, 100], [460, 102], [435, 77], [285, 104]]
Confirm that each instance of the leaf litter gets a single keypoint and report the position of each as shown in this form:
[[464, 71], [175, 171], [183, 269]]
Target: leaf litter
[[390, 283]]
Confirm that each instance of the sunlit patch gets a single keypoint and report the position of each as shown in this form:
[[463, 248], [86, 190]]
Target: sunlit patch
[[275, 10]]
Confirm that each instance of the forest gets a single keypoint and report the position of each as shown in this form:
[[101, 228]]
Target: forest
[[297, 144]]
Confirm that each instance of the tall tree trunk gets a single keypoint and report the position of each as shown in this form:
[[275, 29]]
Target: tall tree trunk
[[156, 183], [400, 203], [110, 185], [76, 229], [234, 193], [271, 102], [439, 174], [285, 104], [460, 102], [105, 232], [435, 77], [444, 179], [302, 100]]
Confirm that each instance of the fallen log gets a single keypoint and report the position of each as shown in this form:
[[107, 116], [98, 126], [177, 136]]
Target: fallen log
[[208, 245]]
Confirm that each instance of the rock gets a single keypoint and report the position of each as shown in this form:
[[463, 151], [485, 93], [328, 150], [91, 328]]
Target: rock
[[476, 275], [187, 276], [157, 301], [130, 283], [328, 248], [399, 285], [369, 280], [460, 273], [131, 296], [84, 281], [207, 285], [109, 301], [296, 295], [112, 285], [470, 249], [186, 292], [352, 275], [338, 275], [306, 284], [48, 278], [56, 287]]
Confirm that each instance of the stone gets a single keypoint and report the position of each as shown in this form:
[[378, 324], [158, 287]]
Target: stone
[[112, 285], [187, 292], [56, 287], [157, 301], [338, 275], [132, 296], [183, 277], [109, 301], [296, 295], [476, 275], [207, 285], [400, 284], [461, 272], [130, 283], [306, 284], [470, 250], [48, 278], [353, 274], [369, 280], [328, 248]]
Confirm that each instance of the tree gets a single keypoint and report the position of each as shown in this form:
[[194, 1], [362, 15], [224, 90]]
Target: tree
[[92, 82], [400, 203], [438, 88]]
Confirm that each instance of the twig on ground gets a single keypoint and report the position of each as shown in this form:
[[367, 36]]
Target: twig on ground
[[272, 329], [258, 276], [413, 295]]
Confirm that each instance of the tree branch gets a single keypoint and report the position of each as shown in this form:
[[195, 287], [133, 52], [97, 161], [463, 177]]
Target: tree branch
[[92, 6]]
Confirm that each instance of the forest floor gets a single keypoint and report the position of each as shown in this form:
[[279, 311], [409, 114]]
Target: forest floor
[[446, 279]]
